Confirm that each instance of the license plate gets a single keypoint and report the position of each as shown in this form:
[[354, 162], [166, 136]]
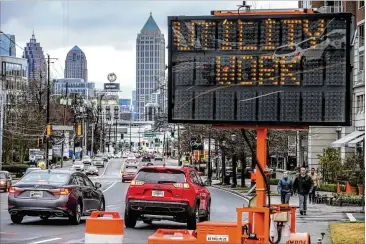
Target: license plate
[[158, 193], [36, 194]]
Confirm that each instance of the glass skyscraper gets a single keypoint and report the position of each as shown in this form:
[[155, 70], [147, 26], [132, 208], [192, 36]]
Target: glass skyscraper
[[37, 67], [150, 64], [7, 45]]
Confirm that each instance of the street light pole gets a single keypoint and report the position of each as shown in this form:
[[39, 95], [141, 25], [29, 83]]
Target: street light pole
[[48, 107], [209, 166], [64, 122]]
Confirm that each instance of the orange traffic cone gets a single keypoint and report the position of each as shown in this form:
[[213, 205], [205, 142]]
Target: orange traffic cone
[[348, 188], [338, 188]]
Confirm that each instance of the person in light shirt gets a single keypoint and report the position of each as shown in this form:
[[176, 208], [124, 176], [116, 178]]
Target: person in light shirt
[[314, 177]]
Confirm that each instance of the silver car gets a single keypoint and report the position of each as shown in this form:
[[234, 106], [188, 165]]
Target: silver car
[[78, 165], [98, 163], [92, 170]]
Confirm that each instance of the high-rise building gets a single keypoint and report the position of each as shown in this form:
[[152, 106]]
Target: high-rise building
[[150, 64], [74, 85], [37, 65], [349, 139], [7, 45], [76, 65]]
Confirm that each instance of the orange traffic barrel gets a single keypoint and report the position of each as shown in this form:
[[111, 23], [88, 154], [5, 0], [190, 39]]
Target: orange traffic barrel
[[104, 230], [169, 236]]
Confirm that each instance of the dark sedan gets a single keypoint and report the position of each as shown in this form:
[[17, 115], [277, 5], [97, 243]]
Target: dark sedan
[[54, 193]]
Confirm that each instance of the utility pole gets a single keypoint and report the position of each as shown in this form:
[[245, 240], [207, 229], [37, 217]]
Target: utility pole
[[3, 102], [75, 125], [209, 166], [92, 141], [179, 156], [64, 122], [109, 143], [130, 136], [48, 108]]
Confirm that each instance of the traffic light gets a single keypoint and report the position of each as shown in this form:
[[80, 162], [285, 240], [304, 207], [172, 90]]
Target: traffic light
[[49, 130], [172, 134], [79, 130], [38, 142], [121, 136], [143, 143]]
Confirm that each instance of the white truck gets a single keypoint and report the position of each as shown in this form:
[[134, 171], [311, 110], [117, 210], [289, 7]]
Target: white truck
[[35, 155]]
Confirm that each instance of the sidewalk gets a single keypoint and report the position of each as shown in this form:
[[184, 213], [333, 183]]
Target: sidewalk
[[318, 217]]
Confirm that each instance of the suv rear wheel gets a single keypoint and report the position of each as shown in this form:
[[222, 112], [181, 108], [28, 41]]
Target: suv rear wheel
[[193, 218], [130, 220]]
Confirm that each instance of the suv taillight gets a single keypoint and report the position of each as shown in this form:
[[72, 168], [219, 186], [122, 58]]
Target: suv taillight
[[181, 185], [13, 189], [137, 183]]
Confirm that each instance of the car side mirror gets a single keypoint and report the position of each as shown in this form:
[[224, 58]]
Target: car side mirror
[[97, 185]]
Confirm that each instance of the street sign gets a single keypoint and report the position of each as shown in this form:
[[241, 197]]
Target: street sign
[[153, 134], [111, 86], [62, 127], [253, 69]]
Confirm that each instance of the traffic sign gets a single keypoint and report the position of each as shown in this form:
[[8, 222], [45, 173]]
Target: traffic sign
[[289, 69], [153, 134], [62, 127]]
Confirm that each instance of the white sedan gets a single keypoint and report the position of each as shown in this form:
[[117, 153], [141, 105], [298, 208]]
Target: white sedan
[[78, 165]]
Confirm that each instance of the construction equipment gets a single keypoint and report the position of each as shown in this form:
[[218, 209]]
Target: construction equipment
[[266, 223]]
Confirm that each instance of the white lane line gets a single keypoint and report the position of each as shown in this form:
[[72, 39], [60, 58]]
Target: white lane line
[[351, 218], [232, 194], [110, 186], [48, 240], [105, 169]]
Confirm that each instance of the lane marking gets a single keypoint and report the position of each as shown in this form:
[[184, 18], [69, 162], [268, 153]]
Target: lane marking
[[110, 186], [48, 240], [232, 194], [351, 218], [105, 169]]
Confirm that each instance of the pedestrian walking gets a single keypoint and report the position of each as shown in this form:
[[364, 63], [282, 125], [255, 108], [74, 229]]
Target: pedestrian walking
[[316, 183], [284, 188], [303, 185]]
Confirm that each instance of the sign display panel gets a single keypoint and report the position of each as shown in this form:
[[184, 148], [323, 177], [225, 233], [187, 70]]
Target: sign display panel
[[260, 70], [111, 86]]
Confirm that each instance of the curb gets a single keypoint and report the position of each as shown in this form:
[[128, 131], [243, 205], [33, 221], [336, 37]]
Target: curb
[[231, 191]]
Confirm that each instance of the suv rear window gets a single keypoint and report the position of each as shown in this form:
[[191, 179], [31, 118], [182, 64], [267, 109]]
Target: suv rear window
[[154, 176], [131, 169]]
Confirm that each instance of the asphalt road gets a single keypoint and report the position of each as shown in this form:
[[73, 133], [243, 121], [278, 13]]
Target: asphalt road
[[57, 230]]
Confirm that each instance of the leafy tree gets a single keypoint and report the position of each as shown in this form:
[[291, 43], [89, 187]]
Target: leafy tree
[[330, 165]]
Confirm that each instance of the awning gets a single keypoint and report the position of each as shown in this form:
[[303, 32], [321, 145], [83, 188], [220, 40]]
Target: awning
[[354, 142], [348, 138]]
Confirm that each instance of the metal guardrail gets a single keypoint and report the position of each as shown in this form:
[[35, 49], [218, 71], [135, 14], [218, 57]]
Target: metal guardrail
[[331, 9]]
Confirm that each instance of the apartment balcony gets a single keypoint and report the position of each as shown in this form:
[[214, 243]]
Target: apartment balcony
[[360, 79], [331, 9]]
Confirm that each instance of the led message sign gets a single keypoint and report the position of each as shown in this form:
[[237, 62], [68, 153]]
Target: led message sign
[[289, 70]]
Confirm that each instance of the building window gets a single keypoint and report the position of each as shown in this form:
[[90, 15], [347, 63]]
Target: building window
[[361, 61], [360, 103], [361, 4], [361, 35]]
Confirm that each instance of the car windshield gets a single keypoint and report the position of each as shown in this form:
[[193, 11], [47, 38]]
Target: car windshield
[[45, 176], [155, 176], [130, 160], [92, 168], [78, 163], [2, 176], [131, 169], [86, 157]]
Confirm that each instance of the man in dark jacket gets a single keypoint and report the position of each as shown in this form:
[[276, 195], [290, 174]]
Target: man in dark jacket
[[284, 188], [303, 185]]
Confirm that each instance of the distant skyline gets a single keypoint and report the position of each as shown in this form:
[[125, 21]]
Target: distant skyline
[[105, 30]]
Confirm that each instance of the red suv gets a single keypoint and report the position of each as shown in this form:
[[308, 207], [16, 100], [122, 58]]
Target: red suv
[[167, 193]]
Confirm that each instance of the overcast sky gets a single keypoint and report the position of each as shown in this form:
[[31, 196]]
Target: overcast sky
[[105, 30]]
